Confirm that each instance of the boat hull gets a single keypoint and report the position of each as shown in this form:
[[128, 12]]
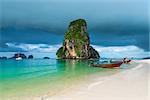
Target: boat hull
[[112, 65], [125, 62]]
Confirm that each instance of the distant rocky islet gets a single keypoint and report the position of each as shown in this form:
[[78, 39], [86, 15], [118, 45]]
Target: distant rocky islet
[[22, 56], [16, 55]]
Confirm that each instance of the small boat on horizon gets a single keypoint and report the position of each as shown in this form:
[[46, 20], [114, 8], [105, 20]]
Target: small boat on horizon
[[18, 58], [109, 65]]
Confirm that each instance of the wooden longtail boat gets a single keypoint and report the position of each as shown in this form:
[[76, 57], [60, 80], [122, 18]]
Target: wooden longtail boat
[[111, 65], [125, 62]]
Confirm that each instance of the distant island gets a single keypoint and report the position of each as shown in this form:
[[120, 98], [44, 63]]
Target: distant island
[[18, 55], [21, 56], [46, 58], [146, 58], [76, 44]]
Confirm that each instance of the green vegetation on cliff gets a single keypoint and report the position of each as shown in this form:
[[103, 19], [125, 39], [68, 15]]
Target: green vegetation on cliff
[[76, 42]]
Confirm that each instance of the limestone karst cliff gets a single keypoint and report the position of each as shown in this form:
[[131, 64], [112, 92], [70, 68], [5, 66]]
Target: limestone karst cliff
[[76, 44]]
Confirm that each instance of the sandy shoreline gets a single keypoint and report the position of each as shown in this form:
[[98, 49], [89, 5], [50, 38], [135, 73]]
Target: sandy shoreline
[[131, 84]]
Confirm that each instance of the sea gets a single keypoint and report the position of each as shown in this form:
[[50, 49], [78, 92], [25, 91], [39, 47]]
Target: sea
[[35, 77]]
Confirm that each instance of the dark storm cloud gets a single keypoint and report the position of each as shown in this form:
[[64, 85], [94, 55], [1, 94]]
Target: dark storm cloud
[[110, 22]]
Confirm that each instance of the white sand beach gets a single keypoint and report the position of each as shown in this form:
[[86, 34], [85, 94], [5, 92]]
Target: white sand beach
[[129, 84]]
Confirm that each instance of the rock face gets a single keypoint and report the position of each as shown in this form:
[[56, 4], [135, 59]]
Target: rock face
[[146, 58], [30, 57], [3, 58], [19, 55], [46, 58], [76, 44]]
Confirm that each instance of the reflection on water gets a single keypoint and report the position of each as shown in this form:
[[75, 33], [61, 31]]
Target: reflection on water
[[33, 77]]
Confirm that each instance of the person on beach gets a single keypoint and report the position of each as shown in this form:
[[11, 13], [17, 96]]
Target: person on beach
[[124, 60]]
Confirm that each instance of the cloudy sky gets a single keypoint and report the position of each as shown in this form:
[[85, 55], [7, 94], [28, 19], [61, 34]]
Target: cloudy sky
[[39, 25]]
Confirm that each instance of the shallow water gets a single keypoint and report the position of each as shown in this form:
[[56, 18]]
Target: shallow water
[[30, 78]]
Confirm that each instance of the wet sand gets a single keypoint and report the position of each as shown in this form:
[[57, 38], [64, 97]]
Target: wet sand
[[129, 84]]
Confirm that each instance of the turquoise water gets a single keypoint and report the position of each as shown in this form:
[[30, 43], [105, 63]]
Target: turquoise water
[[42, 76]]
